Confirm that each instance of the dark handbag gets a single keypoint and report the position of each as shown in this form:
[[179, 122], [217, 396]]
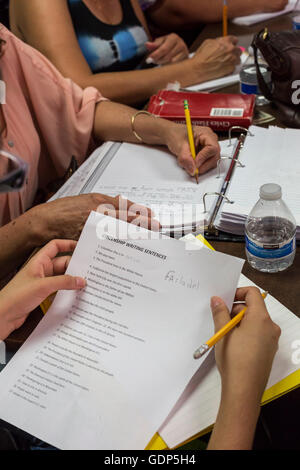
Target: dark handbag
[[281, 52]]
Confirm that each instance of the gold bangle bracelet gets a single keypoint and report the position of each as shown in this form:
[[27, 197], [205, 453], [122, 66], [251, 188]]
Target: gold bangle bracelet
[[133, 121]]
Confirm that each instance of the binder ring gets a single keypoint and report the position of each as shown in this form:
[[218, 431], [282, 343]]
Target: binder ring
[[215, 194], [238, 128], [240, 164]]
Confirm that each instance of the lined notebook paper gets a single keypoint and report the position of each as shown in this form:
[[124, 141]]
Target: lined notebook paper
[[258, 18], [212, 85], [160, 183], [271, 156], [157, 182]]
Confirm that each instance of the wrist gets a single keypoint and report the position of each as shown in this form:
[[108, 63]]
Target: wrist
[[198, 70], [239, 399], [168, 131], [240, 403], [172, 133], [235, 424], [149, 129], [237, 388], [241, 412], [6, 326], [36, 227]]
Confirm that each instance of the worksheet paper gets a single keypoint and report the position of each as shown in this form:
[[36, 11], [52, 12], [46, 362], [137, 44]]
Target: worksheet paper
[[260, 17], [106, 365]]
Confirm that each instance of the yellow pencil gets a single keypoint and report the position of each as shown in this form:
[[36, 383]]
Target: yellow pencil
[[190, 133], [225, 18], [221, 333]]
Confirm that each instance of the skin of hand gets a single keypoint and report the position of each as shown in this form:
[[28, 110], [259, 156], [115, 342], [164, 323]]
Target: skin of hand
[[167, 49], [42, 276], [217, 57], [65, 218], [206, 144], [275, 5], [245, 355], [244, 358]]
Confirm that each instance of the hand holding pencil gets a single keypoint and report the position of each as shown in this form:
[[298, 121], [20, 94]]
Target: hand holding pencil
[[206, 146], [244, 356], [222, 332], [199, 137]]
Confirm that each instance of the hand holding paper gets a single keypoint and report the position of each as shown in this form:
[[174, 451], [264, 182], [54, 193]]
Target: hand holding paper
[[43, 275]]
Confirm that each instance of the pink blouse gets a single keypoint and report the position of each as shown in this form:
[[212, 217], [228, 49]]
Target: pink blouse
[[48, 119]]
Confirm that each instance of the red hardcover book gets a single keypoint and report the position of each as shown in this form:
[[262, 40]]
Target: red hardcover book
[[216, 110]]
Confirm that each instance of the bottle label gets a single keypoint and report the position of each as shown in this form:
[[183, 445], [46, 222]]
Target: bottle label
[[261, 250]]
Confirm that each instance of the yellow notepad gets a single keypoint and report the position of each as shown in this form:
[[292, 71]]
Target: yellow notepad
[[281, 388]]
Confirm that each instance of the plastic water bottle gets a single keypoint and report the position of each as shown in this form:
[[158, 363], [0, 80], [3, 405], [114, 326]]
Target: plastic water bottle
[[249, 84], [270, 232]]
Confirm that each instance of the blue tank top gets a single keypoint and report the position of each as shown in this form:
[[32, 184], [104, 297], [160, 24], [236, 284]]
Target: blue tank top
[[109, 48]]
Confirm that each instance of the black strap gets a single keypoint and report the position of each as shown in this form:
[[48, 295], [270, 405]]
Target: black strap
[[264, 88]]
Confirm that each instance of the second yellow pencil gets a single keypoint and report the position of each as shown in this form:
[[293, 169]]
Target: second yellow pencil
[[225, 18], [190, 133], [222, 332]]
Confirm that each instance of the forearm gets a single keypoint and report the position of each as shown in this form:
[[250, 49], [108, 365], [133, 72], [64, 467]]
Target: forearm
[[6, 324], [137, 86], [236, 423], [174, 15], [17, 241], [113, 122]]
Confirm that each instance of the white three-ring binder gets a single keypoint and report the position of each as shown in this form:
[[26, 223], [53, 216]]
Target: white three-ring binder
[[224, 196]]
